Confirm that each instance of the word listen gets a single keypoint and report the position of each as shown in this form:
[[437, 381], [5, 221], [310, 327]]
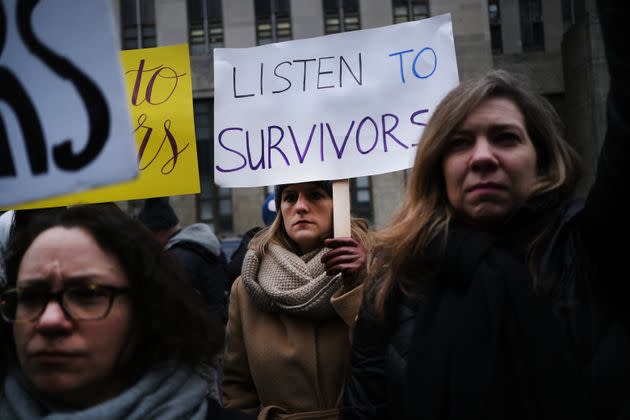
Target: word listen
[[302, 74]]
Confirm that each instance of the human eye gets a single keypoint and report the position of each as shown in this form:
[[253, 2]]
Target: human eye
[[88, 294], [508, 137], [315, 195], [457, 143], [32, 296], [289, 196]]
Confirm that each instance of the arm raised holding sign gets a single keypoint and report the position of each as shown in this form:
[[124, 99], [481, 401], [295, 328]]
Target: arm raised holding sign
[[292, 309]]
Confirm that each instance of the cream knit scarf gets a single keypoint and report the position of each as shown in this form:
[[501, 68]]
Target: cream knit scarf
[[285, 282]]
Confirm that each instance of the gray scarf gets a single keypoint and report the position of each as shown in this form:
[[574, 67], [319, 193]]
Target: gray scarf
[[165, 393], [286, 282]]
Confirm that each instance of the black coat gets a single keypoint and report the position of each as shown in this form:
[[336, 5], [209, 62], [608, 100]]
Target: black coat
[[481, 343], [207, 274], [236, 261]]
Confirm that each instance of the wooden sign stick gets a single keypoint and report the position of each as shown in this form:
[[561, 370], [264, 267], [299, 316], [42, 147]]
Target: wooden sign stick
[[341, 207]]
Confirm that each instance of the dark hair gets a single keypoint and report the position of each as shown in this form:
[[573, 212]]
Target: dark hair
[[170, 321], [157, 214]]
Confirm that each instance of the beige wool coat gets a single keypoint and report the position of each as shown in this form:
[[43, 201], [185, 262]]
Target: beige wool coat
[[281, 366]]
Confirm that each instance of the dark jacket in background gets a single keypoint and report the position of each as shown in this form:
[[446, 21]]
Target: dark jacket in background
[[199, 252], [236, 262]]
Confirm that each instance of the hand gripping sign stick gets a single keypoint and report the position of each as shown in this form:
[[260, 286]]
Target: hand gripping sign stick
[[341, 208]]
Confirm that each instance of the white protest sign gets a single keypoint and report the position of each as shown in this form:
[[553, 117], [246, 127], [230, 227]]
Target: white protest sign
[[339, 106], [64, 117]]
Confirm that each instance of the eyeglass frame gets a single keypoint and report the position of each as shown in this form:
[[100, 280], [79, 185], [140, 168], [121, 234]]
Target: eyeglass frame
[[114, 292]]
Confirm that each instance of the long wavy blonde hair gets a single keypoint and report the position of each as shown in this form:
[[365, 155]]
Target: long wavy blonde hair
[[426, 212]]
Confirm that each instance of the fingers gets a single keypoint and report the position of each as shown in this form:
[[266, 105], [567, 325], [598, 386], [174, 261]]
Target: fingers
[[339, 242], [337, 252], [341, 259], [349, 258]]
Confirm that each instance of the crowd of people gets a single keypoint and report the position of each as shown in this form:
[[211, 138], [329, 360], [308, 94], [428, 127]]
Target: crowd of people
[[494, 293]]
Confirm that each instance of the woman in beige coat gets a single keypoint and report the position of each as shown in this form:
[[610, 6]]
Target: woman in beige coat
[[292, 310]]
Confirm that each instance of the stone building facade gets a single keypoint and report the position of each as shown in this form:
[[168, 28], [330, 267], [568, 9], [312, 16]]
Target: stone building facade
[[554, 43]]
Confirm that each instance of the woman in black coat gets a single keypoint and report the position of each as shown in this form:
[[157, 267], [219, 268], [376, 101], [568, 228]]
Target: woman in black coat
[[499, 295]]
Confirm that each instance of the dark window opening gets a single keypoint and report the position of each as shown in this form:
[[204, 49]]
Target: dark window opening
[[341, 16], [273, 21], [532, 31], [494, 15], [409, 10], [138, 24], [205, 26], [361, 198]]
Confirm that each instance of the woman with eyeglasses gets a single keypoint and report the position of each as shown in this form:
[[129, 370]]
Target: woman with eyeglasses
[[100, 323]]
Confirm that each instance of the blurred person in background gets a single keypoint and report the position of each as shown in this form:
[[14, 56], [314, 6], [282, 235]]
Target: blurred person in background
[[198, 250]]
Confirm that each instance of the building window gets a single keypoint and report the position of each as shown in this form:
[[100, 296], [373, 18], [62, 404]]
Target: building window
[[361, 197], [532, 33], [494, 15], [409, 10], [138, 24], [214, 204], [205, 26], [273, 21], [341, 16]]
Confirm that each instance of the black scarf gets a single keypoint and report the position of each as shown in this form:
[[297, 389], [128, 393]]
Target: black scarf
[[485, 346]]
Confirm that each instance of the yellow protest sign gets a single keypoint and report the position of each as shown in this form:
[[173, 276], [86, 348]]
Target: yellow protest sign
[[159, 91]]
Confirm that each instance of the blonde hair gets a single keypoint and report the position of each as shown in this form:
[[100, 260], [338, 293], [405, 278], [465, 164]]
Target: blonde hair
[[425, 212]]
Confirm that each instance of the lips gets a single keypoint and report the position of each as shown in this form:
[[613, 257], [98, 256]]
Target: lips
[[486, 187], [299, 222], [54, 357]]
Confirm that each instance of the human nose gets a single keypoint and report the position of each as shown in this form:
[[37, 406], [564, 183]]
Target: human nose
[[53, 317], [301, 204], [483, 157]]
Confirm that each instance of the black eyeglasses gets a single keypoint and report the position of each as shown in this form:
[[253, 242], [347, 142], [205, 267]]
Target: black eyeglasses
[[81, 303]]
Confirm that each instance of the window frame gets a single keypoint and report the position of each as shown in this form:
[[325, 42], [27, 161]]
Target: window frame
[[145, 33], [277, 26], [532, 25], [360, 208], [212, 30], [346, 20], [410, 14], [496, 27]]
